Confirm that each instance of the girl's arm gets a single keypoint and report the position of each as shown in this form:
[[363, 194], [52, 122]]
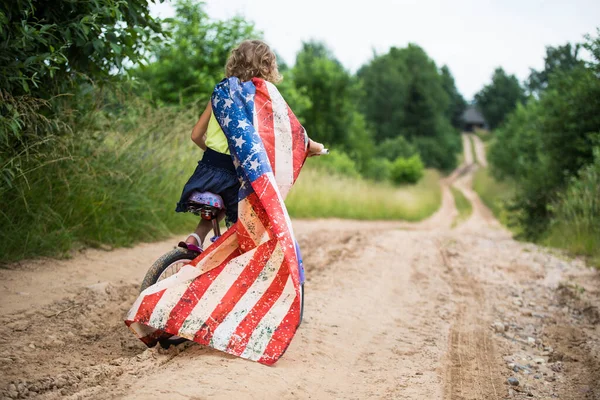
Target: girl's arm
[[199, 130]]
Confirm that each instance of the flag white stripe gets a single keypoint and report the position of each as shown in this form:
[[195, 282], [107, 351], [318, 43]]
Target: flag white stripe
[[259, 287], [171, 296], [214, 294], [284, 168], [248, 217], [186, 274], [286, 216], [264, 331]]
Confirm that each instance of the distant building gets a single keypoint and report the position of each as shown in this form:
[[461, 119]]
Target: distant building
[[473, 119]]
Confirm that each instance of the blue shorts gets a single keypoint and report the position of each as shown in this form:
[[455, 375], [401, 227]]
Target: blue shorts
[[221, 180]]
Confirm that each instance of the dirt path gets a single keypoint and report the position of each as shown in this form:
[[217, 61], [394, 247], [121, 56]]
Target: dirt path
[[393, 311]]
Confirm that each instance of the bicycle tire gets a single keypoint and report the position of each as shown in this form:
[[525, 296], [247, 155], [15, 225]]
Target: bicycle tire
[[166, 260]]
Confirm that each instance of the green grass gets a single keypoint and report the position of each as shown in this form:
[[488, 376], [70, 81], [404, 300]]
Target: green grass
[[319, 194], [576, 240], [576, 221], [494, 194], [473, 152], [463, 205], [485, 136]]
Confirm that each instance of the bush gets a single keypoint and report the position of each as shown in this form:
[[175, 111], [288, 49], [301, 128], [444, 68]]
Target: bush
[[378, 169], [576, 221], [391, 149], [337, 162], [439, 152], [407, 170]]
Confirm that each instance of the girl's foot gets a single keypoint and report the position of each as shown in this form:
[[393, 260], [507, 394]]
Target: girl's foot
[[192, 243]]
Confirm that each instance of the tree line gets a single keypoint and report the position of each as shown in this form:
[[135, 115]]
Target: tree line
[[399, 113], [547, 143]]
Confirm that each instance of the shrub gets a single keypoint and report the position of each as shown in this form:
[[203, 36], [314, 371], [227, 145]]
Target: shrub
[[407, 170], [396, 147], [378, 169], [576, 221], [338, 162]]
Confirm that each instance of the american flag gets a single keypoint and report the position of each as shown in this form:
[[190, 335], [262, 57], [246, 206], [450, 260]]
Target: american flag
[[242, 294]]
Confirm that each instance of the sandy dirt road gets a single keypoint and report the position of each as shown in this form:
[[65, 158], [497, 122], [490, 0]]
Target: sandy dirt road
[[393, 311]]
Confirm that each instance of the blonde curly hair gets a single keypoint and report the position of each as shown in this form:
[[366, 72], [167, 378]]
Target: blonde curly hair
[[253, 58]]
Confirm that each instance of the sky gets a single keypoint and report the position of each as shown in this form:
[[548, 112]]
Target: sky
[[472, 37]]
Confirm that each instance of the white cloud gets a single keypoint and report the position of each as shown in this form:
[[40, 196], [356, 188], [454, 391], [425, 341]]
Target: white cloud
[[471, 36]]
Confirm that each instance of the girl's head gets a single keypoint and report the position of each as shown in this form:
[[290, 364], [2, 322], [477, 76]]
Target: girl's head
[[253, 58]]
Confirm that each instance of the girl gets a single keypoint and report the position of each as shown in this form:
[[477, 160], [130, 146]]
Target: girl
[[215, 171]]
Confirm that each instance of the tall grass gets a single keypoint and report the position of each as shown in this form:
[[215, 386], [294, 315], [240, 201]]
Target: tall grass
[[116, 184], [576, 215], [463, 205], [494, 194], [321, 194], [473, 151], [114, 181]]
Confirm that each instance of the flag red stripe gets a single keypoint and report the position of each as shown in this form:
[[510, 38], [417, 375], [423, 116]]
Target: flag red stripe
[[193, 294], [283, 335], [298, 143], [236, 291], [264, 116], [147, 307], [245, 239], [210, 249], [243, 333], [275, 210], [259, 209]]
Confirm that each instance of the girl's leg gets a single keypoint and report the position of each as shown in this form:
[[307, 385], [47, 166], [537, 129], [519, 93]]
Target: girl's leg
[[204, 226]]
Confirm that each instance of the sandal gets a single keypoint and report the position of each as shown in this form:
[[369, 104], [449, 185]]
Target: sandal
[[190, 246]]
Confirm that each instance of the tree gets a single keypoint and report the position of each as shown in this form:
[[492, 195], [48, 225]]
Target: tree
[[328, 85], [47, 49], [186, 68], [544, 144], [499, 98], [50, 53], [562, 58], [404, 95], [457, 104]]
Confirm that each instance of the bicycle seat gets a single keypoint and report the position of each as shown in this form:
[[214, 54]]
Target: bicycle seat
[[207, 199]]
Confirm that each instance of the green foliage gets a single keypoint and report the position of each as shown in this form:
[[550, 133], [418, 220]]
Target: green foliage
[[338, 162], [404, 95], [378, 169], [457, 104], [561, 58], [393, 148], [45, 49], [546, 142], [332, 116], [186, 69], [440, 152], [407, 170], [499, 98], [51, 55], [576, 213]]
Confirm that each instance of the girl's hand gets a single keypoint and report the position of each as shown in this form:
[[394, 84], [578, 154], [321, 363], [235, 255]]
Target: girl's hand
[[314, 148]]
